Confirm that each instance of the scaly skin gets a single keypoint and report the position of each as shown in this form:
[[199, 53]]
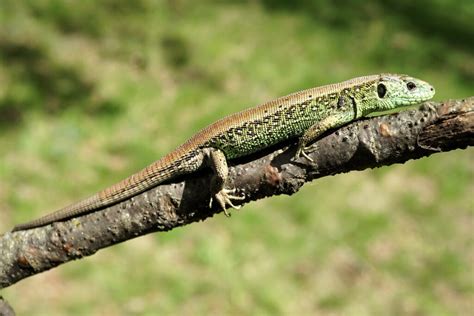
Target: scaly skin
[[306, 114]]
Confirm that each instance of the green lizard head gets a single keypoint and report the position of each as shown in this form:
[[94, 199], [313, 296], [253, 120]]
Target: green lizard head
[[393, 91]]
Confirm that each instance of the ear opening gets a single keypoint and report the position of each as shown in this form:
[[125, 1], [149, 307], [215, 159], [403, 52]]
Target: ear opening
[[381, 90]]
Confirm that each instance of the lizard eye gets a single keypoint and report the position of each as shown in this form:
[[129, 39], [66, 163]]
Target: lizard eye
[[381, 90], [411, 85]]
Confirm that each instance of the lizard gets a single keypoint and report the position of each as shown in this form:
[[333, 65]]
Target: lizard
[[305, 115]]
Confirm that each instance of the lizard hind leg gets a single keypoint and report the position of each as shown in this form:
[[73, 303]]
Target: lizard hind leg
[[219, 193]]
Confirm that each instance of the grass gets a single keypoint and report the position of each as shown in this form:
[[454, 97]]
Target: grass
[[90, 93]]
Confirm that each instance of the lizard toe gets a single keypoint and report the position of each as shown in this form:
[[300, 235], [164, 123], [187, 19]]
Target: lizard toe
[[225, 199], [304, 154]]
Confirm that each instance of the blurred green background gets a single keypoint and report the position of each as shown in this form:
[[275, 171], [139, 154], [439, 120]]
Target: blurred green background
[[91, 91]]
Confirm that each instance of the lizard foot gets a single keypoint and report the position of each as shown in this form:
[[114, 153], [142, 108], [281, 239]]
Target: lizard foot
[[302, 151], [224, 198], [431, 108]]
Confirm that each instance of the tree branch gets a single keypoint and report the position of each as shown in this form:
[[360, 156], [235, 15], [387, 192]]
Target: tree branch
[[5, 308], [368, 143]]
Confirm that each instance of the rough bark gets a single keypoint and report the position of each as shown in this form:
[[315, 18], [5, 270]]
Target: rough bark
[[368, 143]]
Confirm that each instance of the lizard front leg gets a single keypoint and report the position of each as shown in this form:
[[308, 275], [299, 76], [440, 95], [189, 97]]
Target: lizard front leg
[[315, 131], [222, 195]]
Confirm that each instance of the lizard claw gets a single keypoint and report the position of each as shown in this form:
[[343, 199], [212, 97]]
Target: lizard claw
[[306, 156], [224, 198], [430, 107], [301, 152]]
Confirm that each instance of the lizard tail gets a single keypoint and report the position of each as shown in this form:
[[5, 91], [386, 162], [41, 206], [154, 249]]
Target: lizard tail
[[162, 170], [83, 207]]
